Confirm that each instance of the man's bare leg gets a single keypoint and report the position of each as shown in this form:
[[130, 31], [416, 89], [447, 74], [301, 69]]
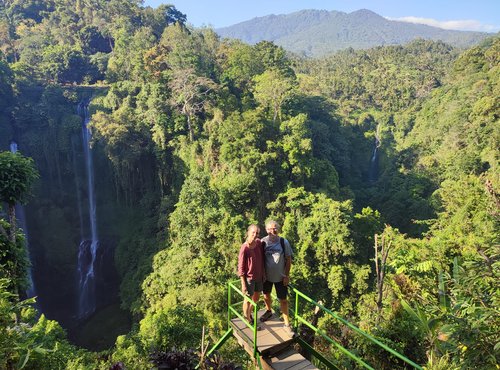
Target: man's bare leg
[[284, 310], [268, 301], [255, 298], [246, 309]]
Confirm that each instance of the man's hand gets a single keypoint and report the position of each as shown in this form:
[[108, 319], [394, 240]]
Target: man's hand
[[286, 280]]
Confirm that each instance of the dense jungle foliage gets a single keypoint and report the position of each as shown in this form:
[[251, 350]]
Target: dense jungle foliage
[[391, 149]]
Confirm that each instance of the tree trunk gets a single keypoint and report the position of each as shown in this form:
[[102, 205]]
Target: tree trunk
[[381, 254], [190, 128], [12, 221]]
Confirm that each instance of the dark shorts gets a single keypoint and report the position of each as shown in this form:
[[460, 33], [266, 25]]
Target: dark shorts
[[253, 286], [281, 290]]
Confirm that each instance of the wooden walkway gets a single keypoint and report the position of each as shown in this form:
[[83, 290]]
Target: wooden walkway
[[273, 344]]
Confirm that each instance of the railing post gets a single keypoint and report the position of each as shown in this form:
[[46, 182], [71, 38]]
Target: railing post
[[296, 315], [228, 304], [255, 331]]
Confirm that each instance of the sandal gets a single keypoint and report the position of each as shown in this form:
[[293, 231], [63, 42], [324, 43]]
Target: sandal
[[266, 316], [251, 322]]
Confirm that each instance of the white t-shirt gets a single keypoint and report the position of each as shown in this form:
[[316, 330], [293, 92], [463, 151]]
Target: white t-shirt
[[274, 259]]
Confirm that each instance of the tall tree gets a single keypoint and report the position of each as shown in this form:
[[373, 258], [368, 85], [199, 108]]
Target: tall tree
[[17, 174], [190, 94], [273, 89]]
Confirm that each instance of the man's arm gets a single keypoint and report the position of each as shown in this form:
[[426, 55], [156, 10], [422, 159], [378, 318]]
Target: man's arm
[[288, 261], [263, 259], [242, 269], [288, 265]]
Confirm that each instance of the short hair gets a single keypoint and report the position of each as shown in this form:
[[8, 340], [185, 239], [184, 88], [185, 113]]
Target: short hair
[[272, 222]]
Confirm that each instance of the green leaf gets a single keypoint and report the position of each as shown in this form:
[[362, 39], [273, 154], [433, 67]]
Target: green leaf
[[40, 350], [25, 359]]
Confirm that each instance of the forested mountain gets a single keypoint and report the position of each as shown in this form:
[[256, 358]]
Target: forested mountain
[[316, 33], [164, 142]]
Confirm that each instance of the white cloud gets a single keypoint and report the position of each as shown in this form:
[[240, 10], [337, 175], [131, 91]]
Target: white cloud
[[462, 25]]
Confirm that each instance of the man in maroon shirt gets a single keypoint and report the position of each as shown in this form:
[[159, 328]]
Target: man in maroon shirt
[[251, 269]]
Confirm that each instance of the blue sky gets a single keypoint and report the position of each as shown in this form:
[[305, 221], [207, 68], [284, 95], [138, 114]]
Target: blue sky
[[473, 15]]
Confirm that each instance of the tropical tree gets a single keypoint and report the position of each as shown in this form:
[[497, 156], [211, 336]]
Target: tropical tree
[[17, 174], [272, 89], [190, 94]]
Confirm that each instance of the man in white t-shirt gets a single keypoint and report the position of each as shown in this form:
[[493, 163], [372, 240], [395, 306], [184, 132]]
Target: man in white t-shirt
[[277, 262]]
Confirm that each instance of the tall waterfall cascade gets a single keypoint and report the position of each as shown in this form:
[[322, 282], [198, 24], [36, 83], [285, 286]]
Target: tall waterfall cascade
[[21, 219], [89, 243]]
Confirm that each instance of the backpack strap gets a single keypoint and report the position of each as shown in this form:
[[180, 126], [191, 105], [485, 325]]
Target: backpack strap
[[282, 242], [263, 248]]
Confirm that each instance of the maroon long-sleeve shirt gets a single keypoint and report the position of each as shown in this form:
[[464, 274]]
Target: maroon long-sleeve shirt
[[251, 261]]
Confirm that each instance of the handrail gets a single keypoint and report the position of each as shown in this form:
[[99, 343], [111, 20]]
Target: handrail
[[297, 317], [300, 319], [232, 286], [340, 347]]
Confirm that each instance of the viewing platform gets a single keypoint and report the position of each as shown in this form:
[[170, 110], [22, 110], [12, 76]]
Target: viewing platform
[[271, 347], [273, 344]]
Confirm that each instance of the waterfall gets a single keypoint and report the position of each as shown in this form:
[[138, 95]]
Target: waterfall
[[375, 149], [21, 218], [373, 167], [87, 251], [13, 147], [77, 186]]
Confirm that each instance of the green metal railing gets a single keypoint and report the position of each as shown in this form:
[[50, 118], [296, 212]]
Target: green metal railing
[[235, 309], [300, 319]]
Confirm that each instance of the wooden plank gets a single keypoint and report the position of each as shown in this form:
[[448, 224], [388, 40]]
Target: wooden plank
[[270, 339], [288, 360], [304, 365], [273, 343], [242, 342]]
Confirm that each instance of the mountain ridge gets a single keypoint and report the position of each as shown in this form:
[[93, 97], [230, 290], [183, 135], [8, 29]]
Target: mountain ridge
[[315, 33]]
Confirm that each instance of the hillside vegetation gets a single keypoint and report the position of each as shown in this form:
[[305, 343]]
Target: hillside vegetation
[[394, 148]]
